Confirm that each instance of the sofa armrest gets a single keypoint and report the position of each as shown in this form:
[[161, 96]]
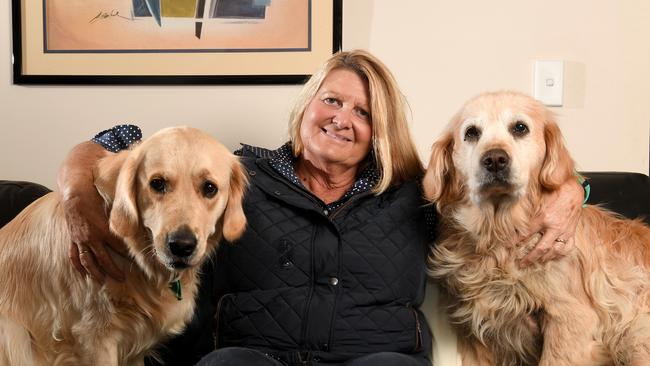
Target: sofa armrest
[[15, 196]]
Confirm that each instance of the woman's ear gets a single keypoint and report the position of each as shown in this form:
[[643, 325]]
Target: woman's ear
[[234, 221], [123, 219], [440, 183], [557, 166]]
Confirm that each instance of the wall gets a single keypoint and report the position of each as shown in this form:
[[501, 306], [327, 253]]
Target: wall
[[442, 53]]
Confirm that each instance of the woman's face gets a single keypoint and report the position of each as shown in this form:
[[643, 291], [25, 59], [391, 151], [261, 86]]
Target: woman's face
[[336, 127]]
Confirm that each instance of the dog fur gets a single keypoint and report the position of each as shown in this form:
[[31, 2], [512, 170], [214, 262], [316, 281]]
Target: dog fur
[[486, 176], [50, 315]]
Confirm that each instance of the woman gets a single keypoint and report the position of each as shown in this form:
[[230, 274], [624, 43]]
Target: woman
[[331, 268]]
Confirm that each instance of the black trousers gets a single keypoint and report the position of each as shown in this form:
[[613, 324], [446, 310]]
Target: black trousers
[[232, 356]]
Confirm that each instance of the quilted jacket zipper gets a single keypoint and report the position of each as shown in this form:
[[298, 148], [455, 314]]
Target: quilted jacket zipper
[[305, 316], [215, 332], [418, 330]]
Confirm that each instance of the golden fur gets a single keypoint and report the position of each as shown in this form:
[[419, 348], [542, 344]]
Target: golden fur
[[50, 315], [591, 307]]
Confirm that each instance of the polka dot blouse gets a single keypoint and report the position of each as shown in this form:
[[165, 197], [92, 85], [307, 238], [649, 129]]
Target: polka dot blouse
[[282, 160], [119, 137]]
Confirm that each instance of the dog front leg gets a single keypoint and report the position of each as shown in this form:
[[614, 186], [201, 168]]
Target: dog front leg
[[570, 338]]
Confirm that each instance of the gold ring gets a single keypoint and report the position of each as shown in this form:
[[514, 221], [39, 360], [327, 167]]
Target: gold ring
[[563, 241]]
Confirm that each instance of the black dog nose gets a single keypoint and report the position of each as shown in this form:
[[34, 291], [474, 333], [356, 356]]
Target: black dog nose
[[495, 160], [182, 242]]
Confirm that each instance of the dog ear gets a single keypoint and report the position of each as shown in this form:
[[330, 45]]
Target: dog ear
[[234, 221], [106, 172], [440, 183], [124, 213], [558, 165]]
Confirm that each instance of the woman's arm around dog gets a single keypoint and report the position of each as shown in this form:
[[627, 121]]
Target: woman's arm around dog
[[86, 214]]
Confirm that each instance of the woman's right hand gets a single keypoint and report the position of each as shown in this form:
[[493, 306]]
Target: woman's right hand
[[87, 216]]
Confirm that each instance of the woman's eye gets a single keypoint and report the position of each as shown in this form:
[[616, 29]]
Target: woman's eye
[[520, 129], [362, 113], [209, 189], [158, 184], [472, 133], [331, 101]]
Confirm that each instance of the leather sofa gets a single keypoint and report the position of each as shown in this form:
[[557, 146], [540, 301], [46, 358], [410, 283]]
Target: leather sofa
[[625, 193], [16, 195]]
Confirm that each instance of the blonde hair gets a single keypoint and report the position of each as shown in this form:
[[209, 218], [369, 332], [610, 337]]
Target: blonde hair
[[394, 151]]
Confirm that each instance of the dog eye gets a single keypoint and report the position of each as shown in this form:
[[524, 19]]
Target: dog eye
[[519, 129], [158, 184], [209, 189], [472, 133]]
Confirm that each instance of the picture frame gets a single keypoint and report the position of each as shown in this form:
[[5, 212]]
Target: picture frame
[[64, 42]]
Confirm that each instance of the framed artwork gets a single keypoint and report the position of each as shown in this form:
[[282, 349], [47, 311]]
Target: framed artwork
[[172, 41]]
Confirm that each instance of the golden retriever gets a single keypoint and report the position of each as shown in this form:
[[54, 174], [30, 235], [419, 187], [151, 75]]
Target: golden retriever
[[171, 199], [486, 176]]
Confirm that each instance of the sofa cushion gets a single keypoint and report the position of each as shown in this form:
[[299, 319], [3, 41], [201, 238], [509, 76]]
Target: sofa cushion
[[14, 196]]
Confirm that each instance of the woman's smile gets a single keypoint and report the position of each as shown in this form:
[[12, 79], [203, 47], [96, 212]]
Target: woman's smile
[[335, 136]]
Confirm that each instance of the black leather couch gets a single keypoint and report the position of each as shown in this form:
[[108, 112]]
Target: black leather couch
[[625, 193], [15, 195]]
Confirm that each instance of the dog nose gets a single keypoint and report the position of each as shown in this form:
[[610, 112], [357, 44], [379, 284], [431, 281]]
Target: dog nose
[[182, 242], [495, 160]]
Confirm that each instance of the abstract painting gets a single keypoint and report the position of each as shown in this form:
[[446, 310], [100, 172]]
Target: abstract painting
[[175, 41], [176, 25]]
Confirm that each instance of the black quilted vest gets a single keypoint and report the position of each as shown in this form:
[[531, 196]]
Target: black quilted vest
[[306, 284]]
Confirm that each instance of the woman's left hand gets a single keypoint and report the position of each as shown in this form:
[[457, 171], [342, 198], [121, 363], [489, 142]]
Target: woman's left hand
[[557, 220]]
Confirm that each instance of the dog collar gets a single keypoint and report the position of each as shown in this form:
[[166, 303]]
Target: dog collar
[[175, 287]]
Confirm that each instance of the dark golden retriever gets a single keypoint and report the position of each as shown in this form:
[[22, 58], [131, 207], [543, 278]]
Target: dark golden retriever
[[486, 176]]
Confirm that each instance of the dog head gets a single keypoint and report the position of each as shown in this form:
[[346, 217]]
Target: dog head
[[175, 195], [498, 148]]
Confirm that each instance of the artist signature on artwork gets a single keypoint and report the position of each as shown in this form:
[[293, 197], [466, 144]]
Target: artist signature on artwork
[[108, 14]]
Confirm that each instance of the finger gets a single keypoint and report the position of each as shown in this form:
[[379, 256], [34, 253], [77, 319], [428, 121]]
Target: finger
[[542, 248], [73, 254], [560, 249], [88, 262], [551, 254], [526, 233], [552, 246], [106, 263]]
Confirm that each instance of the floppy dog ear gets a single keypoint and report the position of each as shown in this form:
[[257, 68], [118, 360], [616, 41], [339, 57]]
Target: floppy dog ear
[[440, 183], [234, 221], [558, 165], [124, 213], [106, 172]]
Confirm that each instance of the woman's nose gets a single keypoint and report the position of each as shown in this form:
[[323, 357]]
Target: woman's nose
[[342, 119]]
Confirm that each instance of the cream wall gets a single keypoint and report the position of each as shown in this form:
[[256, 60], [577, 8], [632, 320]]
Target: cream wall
[[442, 53]]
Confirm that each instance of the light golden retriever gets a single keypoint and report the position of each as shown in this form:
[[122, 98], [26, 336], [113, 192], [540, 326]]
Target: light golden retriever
[[171, 199], [486, 176]]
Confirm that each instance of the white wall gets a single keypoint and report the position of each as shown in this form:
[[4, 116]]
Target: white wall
[[442, 53]]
